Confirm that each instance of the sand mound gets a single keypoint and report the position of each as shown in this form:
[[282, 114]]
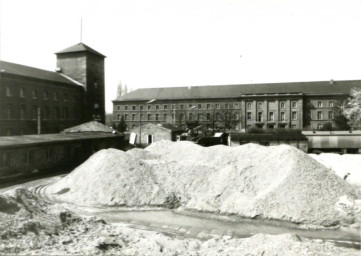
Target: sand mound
[[277, 182]]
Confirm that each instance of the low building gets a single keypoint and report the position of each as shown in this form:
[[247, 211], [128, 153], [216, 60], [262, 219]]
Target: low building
[[149, 133], [334, 141], [28, 154], [297, 140]]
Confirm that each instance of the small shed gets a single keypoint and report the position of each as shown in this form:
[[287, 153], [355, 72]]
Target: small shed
[[149, 133]]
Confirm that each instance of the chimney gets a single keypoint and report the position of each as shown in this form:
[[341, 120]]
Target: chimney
[[331, 81], [58, 70]]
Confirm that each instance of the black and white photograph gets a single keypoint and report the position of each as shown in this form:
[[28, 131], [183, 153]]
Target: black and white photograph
[[180, 127]]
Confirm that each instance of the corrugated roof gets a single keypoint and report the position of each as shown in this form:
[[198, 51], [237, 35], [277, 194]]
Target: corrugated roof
[[80, 47], [22, 70], [238, 90], [22, 140], [92, 126]]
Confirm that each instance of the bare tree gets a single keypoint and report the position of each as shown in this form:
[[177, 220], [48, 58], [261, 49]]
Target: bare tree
[[120, 90]]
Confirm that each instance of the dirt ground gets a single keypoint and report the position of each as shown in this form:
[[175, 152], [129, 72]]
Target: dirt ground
[[32, 227]]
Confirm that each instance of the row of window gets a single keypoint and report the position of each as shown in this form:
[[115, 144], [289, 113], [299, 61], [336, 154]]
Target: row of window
[[35, 94], [181, 116], [182, 106], [331, 115], [249, 105], [28, 157], [191, 116], [282, 105], [271, 116], [331, 104], [45, 112]]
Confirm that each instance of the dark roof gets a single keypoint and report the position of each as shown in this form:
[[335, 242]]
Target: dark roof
[[238, 90], [21, 70], [14, 141], [172, 127], [80, 47], [92, 126], [267, 137]]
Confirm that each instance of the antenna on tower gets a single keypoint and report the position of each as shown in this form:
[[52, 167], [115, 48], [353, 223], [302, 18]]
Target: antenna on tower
[[81, 30]]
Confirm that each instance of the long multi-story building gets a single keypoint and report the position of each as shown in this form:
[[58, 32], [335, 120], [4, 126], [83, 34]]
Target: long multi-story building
[[35, 101], [297, 105]]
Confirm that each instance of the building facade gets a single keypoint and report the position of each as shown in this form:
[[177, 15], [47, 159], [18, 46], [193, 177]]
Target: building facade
[[303, 105], [39, 101]]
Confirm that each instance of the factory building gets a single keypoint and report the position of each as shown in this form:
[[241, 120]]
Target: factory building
[[296, 105], [36, 101]]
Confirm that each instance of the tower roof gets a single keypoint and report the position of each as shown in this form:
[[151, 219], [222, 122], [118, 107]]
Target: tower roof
[[80, 47]]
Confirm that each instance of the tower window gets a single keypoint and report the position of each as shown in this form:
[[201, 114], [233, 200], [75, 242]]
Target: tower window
[[34, 94], [22, 92], [9, 91]]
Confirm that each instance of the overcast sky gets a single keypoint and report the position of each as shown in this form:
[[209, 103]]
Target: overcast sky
[[161, 43]]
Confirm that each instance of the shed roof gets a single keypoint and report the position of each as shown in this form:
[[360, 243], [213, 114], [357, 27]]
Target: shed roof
[[14, 141], [92, 126], [238, 90], [26, 71], [80, 47], [268, 137]]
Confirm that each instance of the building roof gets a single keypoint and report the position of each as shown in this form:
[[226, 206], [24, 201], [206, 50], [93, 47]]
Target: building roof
[[268, 137], [92, 126], [20, 141], [80, 47], [239, 90], [169, 127], [26, 71]]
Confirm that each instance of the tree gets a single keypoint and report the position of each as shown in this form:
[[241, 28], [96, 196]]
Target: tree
[[120, 90], [352, 111], [340, 120], [121, 125]]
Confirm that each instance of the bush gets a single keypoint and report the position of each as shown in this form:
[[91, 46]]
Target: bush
[[172, 201]]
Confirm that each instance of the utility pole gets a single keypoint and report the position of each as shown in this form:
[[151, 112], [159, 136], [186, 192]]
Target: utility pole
[[39, 120]]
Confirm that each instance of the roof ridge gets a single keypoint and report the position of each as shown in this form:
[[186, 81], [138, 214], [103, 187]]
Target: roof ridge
[[80, 47]]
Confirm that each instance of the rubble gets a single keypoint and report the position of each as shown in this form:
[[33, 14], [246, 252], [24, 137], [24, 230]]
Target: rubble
[[36, 229]]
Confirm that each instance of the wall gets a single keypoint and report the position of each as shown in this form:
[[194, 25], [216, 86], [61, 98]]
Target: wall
[[158, 133], [26, 123]]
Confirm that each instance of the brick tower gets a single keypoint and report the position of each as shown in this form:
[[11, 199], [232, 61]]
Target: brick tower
[[86, 66]]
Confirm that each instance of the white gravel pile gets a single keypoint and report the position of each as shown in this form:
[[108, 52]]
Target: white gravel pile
[[278, 182], [342, 164]]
